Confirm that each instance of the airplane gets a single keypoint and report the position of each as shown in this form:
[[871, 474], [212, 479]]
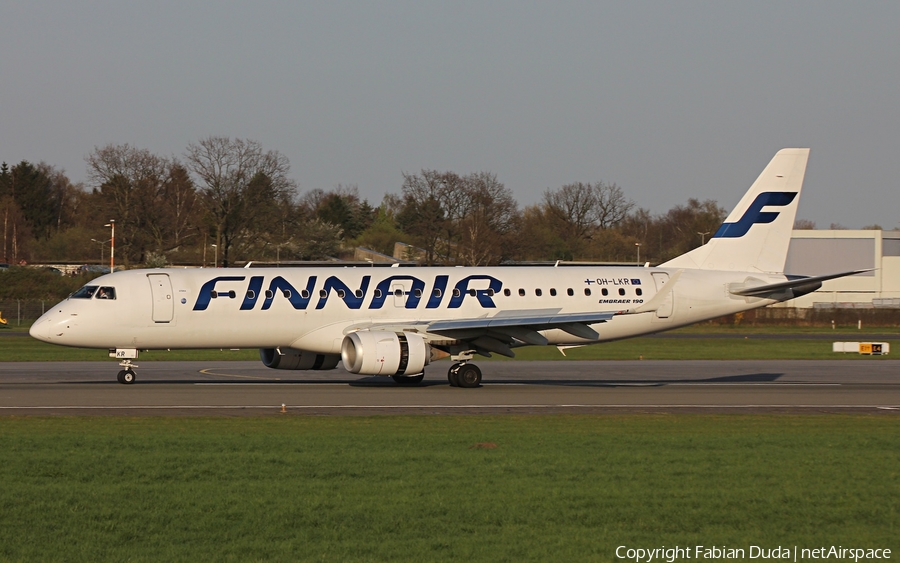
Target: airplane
[[394, 321]]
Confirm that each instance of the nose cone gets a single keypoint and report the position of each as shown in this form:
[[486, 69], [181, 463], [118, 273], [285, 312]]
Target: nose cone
[[41, 328]]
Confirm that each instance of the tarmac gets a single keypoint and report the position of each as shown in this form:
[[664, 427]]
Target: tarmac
[[870, 385]]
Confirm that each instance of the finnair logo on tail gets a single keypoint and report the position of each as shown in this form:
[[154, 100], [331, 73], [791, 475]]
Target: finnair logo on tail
[[755, 214]]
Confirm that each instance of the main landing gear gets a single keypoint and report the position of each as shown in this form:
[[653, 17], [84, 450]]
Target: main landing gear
[[461, 374], [464, 374]]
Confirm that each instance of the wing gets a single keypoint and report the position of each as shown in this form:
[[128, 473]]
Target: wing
[[501, 332], [507, 329]]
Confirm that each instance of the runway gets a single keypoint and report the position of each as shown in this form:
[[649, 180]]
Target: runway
[[520, 387]]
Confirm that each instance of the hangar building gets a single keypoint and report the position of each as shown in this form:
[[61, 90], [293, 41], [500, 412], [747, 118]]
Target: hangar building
[[814, 252]]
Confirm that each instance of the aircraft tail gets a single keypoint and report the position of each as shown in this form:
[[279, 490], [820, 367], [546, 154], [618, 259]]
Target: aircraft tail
[[757, 233]]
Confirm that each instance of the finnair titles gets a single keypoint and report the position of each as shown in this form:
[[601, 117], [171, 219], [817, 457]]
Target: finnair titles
[[396, 321]]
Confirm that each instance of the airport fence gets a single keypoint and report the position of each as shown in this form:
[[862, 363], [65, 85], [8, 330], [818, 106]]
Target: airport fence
[[815, 317], [16, 312]]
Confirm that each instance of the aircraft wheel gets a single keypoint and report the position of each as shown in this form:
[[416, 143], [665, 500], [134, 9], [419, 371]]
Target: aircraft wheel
[[469, 376], [408, 380], [452, 375], [127, 376]]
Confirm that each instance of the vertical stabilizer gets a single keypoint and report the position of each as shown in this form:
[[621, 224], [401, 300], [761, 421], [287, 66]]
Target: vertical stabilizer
[[756, 234]]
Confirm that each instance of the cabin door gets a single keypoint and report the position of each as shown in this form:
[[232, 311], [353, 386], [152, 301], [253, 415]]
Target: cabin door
[[163, 303]]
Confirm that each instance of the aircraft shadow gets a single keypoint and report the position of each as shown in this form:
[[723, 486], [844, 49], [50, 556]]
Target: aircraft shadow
[[645, 382], [387, 382]]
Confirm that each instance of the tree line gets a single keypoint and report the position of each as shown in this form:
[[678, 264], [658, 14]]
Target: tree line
[[229, 200]]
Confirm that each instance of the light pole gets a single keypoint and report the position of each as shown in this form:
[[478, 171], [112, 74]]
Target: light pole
[[112, 245], [102, 243], [703, 237], [638, 245], [216, 261]]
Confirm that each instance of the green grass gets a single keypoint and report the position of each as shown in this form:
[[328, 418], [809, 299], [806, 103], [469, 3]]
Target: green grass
[[27, 349], [709, 328], [754, 347], [751, 348], [555, 488]]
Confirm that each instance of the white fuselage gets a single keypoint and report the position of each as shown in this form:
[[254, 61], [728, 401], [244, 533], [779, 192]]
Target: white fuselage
[[313, 309]]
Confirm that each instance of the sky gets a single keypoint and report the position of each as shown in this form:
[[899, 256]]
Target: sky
[[668, 100]]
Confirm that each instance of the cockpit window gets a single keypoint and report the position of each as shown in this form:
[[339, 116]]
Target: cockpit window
[[85, 292], [106, 293]]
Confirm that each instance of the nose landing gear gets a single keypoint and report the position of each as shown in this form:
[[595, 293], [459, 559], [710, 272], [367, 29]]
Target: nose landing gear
[[127, 375]]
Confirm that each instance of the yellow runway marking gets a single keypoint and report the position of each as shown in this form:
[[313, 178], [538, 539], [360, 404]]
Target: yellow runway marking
[[208, 372]]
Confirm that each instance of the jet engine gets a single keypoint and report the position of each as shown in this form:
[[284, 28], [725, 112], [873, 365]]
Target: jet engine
[[289, 358], [385, 353]]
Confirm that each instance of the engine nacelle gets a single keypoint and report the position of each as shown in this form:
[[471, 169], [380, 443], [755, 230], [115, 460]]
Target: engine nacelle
[[385, 353], [289, 358]]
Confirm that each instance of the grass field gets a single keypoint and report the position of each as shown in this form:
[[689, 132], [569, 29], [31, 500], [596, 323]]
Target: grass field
[[555, 488], [754, 346]]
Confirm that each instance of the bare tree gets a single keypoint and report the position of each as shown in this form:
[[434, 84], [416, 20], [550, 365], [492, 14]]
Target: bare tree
[[574, 208], [129, 181], [612, 205], [422, 214], [577, 211], [492, 214], [181, 204], [226, 168]]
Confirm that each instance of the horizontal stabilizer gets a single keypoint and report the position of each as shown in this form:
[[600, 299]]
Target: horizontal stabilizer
[[803, 282]]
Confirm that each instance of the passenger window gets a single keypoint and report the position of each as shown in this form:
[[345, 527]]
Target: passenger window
[[521, 292], [85, 292], [604, 291], [638, 291], [437, 292], [251, 294], [418, 293], [106, 293], [621, 291], [552, 292], [587, 291], [269, 294], [538, 292], [507, 292], [570, 292], [358, 293], [472, 292], [303, 293], [341, 294]]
